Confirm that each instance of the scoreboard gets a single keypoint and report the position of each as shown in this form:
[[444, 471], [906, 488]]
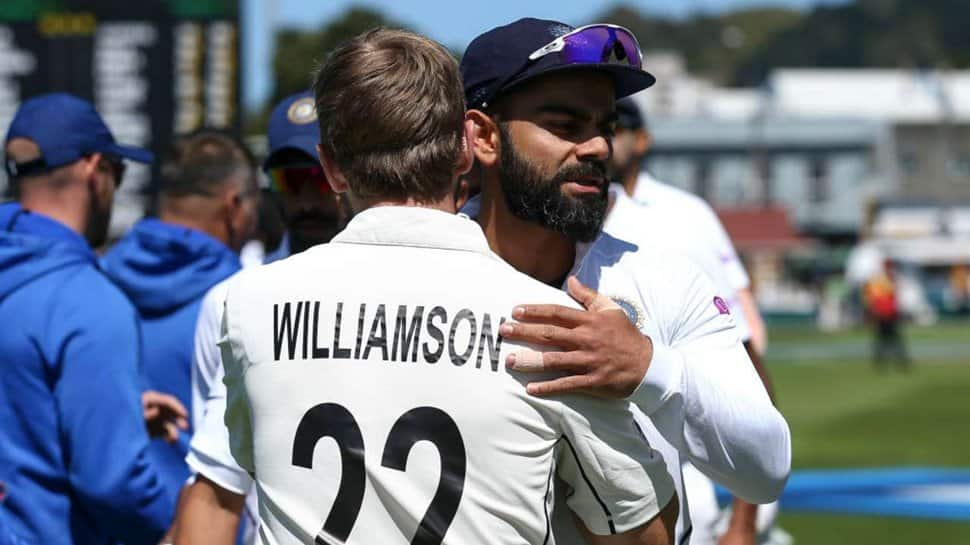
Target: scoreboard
[[152, 68]]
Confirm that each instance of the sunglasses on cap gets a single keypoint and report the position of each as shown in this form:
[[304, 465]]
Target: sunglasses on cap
[[290, 180], [595, 44], [591, 44]]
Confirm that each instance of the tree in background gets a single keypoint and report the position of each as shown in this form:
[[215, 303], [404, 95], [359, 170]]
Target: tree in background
[[869, 33], [743, 46], [299, 51], [712, 45], [734, 48]]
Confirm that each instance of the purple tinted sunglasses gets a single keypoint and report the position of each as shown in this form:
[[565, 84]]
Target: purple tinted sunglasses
[[595, 44], [590, 44]]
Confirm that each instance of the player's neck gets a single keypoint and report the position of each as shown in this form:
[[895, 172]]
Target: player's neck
[[196, 213], [68, 207], [446, 204], [534, 250], [630, 178]]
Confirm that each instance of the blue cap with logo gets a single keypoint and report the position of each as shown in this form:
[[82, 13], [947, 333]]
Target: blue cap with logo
[[65, 128], [508, 56], [293, 126]]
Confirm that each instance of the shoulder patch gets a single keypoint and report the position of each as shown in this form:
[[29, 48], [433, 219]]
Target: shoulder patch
[[302, 111], [633, 310]]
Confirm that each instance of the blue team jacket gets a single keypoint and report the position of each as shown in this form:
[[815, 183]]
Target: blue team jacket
[[165, 270], [73, 447]]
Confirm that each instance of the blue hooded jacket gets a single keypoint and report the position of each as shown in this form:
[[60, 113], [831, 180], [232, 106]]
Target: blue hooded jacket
[[165, 270], [73, 447]]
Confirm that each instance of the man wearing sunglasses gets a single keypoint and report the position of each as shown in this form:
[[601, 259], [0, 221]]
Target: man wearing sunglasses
[[207, 202], [216, 501], [541, 96], [74, 462]]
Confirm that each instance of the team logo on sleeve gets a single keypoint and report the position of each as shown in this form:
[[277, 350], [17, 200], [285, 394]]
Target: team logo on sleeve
[[721, 305], [631, 308], [302, 111]]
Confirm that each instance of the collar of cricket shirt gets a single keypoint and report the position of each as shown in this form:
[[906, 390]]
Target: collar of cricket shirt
[[414, 226]]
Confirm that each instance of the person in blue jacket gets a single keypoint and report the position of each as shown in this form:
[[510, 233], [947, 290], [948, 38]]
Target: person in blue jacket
[[208, 200], [74, 457]]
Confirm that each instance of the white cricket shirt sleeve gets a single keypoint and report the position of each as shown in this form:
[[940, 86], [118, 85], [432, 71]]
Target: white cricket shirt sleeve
[[617, 482], [209, 452], [704, 394], [238, 419], [206, 359]]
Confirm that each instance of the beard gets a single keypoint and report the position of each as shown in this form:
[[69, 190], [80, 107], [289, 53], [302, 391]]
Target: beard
[[309, 228], [306, 233], [99, 221], [532, 196]]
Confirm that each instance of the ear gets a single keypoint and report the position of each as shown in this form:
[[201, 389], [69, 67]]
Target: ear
[[467, 157], [89, 170], [484, 137], [643, 142], [336, 178], [232, 199]]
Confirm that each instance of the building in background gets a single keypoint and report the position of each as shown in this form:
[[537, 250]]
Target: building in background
[[834, 150]]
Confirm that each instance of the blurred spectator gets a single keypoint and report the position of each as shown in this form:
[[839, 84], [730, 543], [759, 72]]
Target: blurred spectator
[[671, 218], [269, 241], [699, 231], [882, 307], [73, 447], [165, 265], [960, 288]]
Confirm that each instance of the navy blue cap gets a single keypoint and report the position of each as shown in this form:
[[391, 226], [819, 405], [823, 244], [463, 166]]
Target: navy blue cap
[[492, 60], [293, 126], [66, 128], [628, 115]]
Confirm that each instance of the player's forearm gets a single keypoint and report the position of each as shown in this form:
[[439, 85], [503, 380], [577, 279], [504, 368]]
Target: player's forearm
[[730, 431], [208, 514], [744, 516], [733, 432]]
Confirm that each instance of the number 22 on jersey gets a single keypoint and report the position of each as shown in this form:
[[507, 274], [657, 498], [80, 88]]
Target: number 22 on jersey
[[419, 424]]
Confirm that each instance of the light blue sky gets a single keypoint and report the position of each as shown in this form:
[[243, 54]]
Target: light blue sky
[[453, 23]]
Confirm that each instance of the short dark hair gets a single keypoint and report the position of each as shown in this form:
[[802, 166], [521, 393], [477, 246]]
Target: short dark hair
[[391, 109], [200, 162]]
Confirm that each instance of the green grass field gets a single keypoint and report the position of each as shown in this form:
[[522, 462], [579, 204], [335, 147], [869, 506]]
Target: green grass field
[[843, 414]]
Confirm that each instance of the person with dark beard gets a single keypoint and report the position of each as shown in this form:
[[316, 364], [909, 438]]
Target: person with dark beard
[[213, 506], [312, 212], [541, 96], [74, 453]]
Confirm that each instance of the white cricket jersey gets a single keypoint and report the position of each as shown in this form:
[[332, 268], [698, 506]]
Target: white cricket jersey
[[698, 220], [367, 392], [701, 399], [679, 225], [209, 453]]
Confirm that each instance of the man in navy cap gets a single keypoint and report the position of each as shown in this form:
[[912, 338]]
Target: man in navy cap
[[313, 214], [73, 445], [541, 96]]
